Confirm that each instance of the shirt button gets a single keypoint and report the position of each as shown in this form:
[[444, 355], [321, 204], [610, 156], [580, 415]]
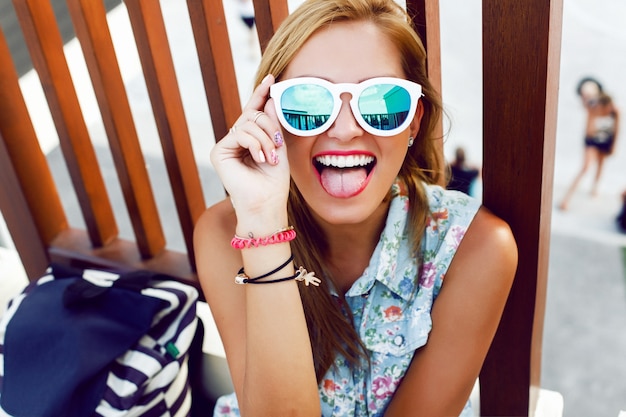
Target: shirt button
[[398, 340]]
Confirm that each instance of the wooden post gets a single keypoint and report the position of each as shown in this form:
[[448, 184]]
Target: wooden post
[[521, 57], [269, 14]]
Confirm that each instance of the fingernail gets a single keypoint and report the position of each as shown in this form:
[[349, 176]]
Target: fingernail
[[262, 156], [274, 157], [266, 78], [278, 139]]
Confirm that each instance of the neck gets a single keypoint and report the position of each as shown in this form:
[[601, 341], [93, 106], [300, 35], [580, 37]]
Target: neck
[[350, 246]]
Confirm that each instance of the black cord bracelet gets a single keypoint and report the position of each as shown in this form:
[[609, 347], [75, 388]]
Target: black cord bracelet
[[272, 281], [242, 278], [300, 275]]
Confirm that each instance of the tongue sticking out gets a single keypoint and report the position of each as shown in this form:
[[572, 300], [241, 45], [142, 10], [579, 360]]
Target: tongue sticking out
[[344, 182]]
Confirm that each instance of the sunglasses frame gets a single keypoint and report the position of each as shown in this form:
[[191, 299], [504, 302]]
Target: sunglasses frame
[[355, 90]]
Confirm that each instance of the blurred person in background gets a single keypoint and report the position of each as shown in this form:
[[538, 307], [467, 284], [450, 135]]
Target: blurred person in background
[[246, 14], [601, 132], [462, 175]]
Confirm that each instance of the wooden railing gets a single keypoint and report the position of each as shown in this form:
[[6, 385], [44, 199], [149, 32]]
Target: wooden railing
[[521, 48]]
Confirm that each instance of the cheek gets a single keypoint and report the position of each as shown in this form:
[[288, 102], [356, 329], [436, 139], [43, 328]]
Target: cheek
[[299, 155], [395, 153], [390, 164]]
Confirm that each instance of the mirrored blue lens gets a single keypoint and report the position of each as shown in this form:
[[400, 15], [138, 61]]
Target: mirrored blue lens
[[306, 106], [385, 106]]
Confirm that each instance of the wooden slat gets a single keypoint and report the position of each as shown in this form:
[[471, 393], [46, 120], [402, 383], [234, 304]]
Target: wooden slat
[[158, 67], [19, 218], [28, 198], [46, 49], [521, 50], [216, 63], [22, 148], [91, 28], [72, 248], [425, 16], [269, 14]]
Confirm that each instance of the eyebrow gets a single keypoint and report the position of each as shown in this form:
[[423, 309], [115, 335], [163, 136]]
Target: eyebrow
[[358, 82]]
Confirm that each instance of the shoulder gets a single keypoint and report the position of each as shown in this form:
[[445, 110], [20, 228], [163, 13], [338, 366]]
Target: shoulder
[[489, 247], [492, 231], [212, 234], [218, 219]]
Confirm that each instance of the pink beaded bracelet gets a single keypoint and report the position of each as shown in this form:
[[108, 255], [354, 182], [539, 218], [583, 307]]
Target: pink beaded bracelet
[[283, 235]]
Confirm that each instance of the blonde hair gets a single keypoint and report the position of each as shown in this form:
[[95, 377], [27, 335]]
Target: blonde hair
[[331, 331]]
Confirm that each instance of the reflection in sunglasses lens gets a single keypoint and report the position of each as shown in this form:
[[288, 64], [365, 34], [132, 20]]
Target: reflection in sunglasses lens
[[384, 106], [306, 106]]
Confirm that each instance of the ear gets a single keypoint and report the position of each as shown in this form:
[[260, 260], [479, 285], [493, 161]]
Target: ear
[[417, 119]]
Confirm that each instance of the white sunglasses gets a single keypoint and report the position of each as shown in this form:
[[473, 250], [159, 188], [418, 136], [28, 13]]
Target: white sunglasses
[[382, 106]]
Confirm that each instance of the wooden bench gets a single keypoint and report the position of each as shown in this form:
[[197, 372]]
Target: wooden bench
[[521, 49]]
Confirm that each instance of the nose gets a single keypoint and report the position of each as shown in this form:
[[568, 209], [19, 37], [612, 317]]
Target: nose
[[345, 127]]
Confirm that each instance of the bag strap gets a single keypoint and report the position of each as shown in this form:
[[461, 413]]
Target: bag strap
[[85, 291]]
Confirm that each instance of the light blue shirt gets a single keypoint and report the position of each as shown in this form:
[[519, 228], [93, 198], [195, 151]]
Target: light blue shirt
[[391, 308]]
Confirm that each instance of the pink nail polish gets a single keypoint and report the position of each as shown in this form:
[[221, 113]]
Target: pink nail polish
[[274, 157], [278, 139]]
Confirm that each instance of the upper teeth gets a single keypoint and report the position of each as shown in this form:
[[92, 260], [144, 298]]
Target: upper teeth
[[344, 161]]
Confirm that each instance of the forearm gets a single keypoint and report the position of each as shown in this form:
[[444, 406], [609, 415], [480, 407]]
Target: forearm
[[279, 374]]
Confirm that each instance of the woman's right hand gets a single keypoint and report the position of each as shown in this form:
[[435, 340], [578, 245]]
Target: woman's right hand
[[251, 160]]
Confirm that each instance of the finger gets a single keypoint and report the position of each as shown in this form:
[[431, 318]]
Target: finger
[[259, 95], [271, 127], [255, 139], [270, 111], [245, 141], [255, 124], [237, 143], [262, 134]]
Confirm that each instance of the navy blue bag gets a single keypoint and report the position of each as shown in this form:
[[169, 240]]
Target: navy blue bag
[[94, 343]]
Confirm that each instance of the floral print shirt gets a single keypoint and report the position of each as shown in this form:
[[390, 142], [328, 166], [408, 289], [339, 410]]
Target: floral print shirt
[[391, 308]]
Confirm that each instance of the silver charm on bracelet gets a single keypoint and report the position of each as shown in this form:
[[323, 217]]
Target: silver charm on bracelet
[[241, 279], [307, 277]]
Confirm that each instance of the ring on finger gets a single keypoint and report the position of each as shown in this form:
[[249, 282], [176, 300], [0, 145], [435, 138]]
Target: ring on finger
[[256, 116]]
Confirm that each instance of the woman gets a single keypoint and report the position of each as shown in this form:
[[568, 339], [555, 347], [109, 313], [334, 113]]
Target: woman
[[600, 134], [337, 141]]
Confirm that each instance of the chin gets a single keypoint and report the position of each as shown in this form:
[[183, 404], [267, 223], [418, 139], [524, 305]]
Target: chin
[[346, 211]]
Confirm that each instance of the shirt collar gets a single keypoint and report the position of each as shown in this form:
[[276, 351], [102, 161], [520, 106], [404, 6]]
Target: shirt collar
[[392, 264]]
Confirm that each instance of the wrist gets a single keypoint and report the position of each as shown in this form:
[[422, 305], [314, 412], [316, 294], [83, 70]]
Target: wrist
[[260, 224], [259, 210], [283, 235]]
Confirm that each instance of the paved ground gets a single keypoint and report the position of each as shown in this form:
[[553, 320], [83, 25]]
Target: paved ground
[[585, 327], [585, 323]]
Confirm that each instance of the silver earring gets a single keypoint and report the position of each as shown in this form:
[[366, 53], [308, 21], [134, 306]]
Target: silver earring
[[411, 140]]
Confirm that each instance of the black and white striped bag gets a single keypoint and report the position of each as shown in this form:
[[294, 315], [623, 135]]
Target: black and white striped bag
[[94, 343]]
